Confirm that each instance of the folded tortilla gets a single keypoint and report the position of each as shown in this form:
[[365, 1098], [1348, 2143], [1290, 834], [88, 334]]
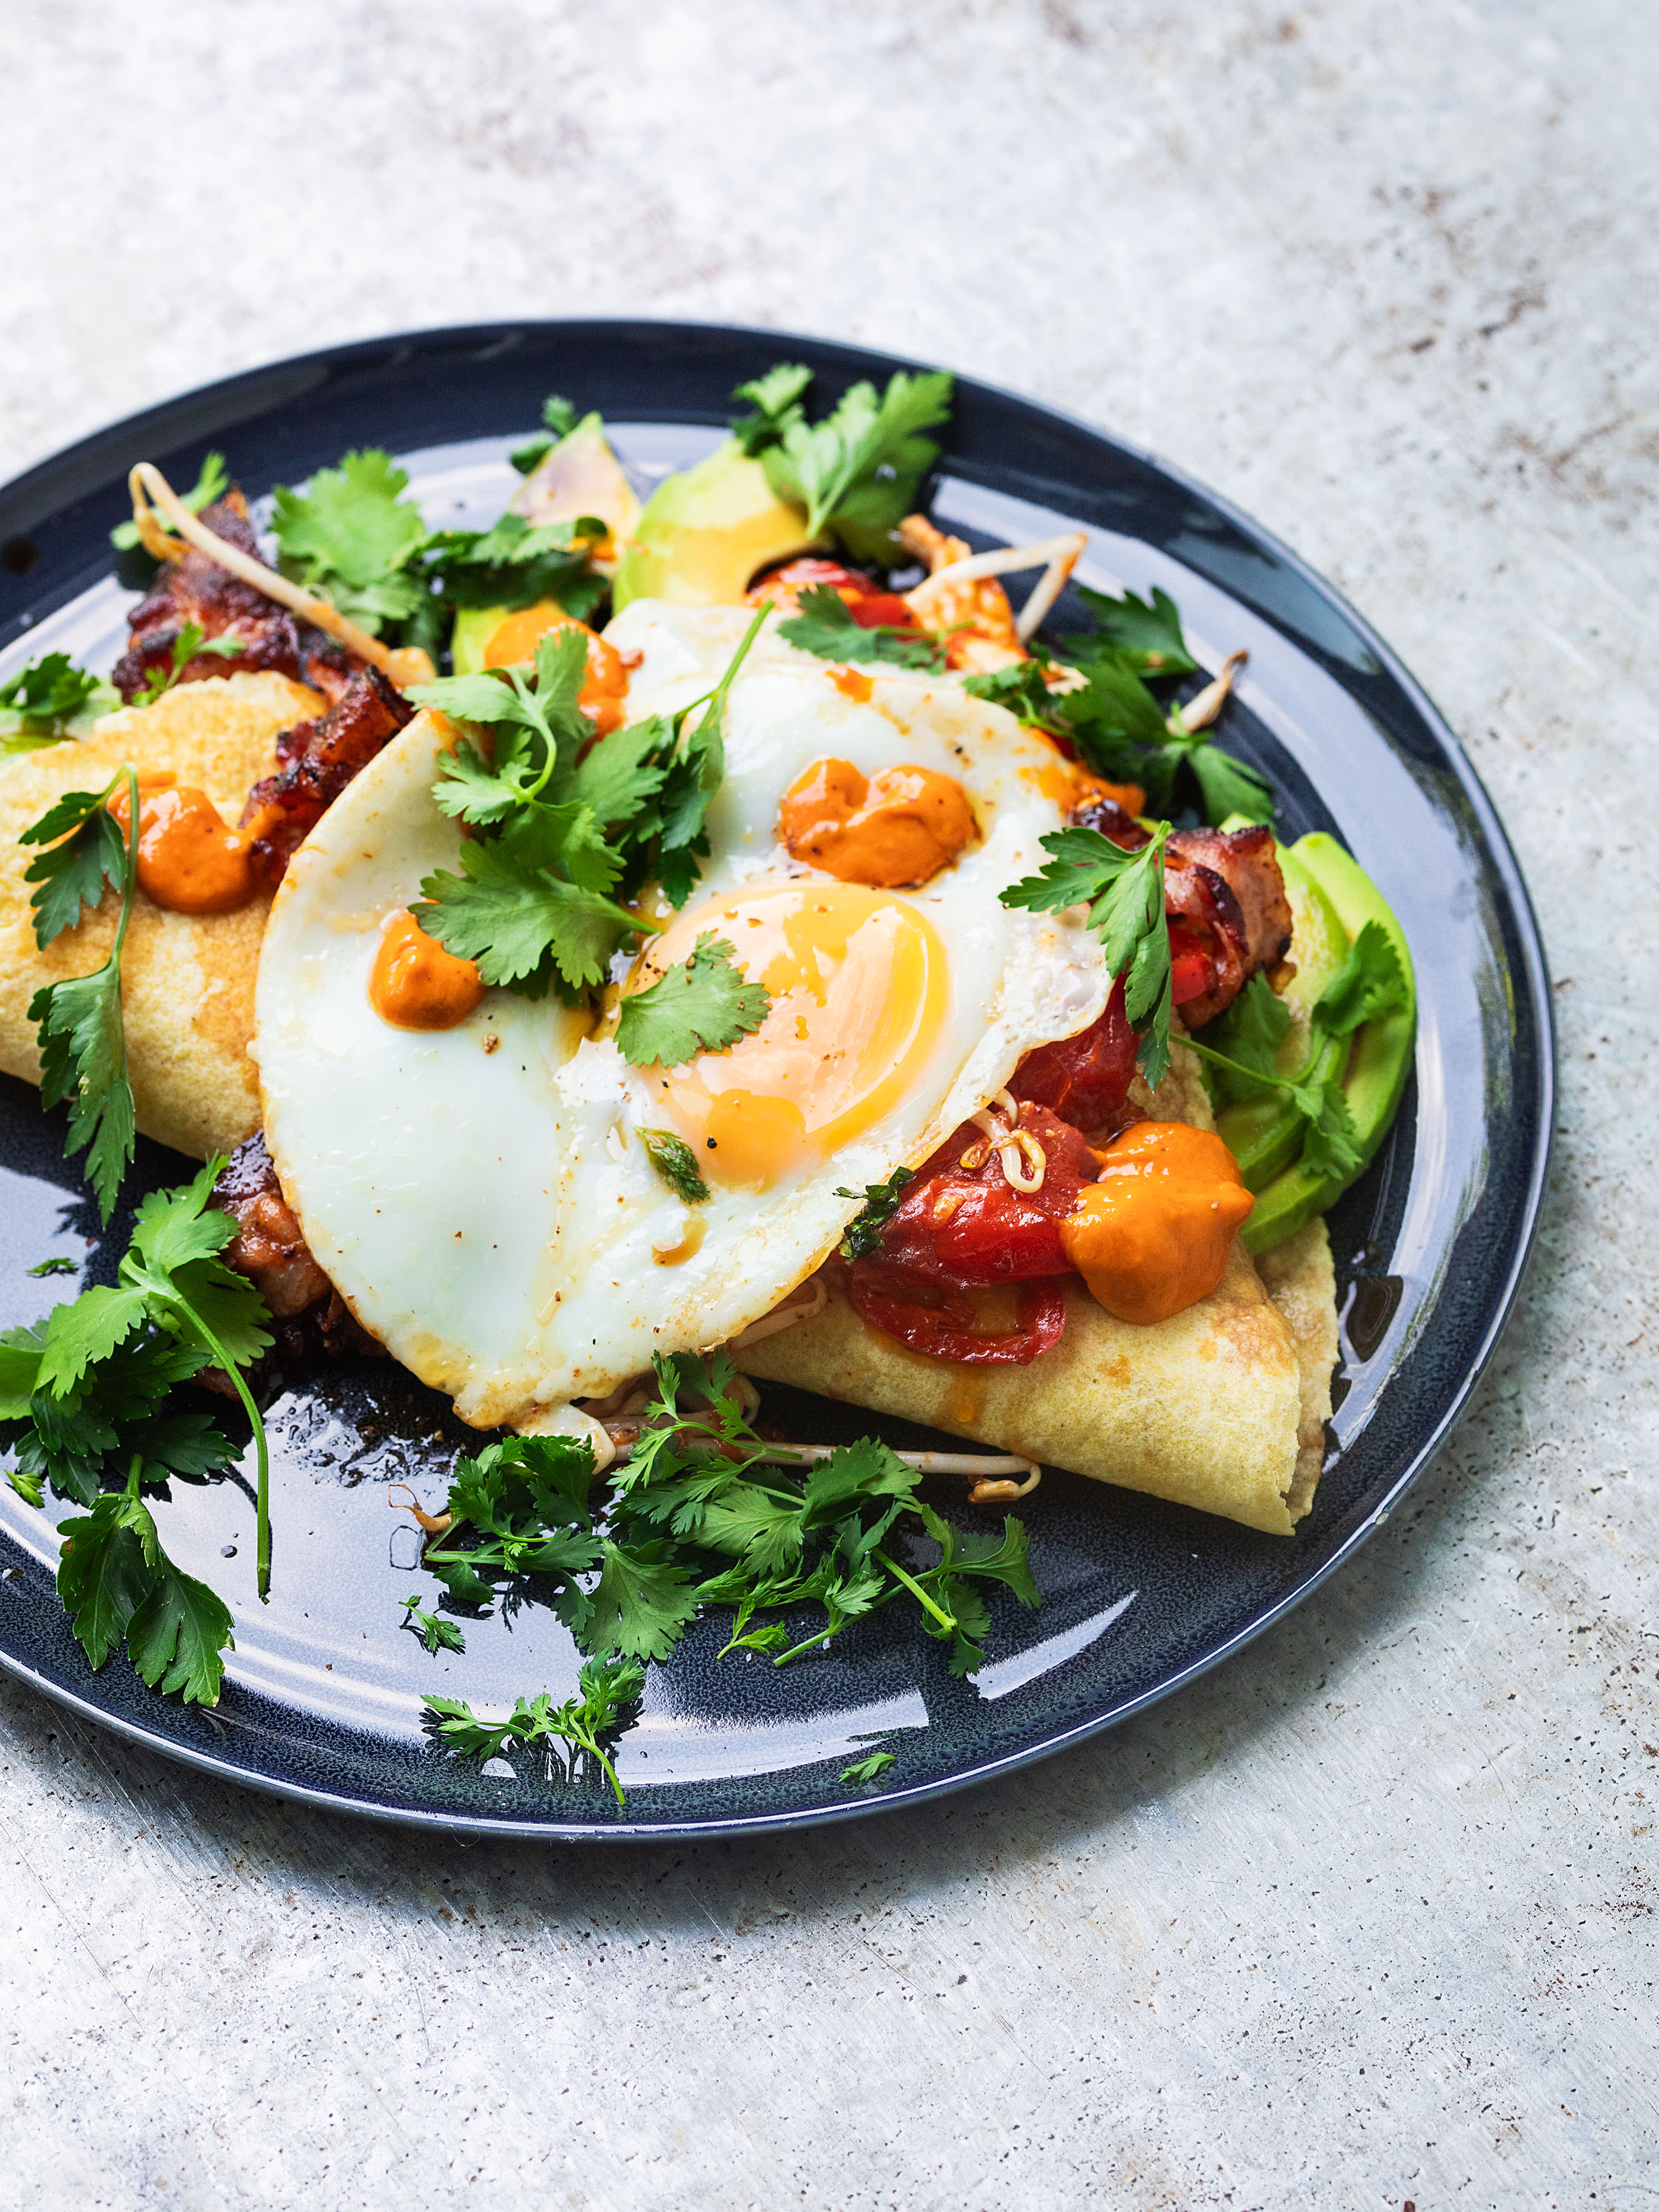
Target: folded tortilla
[[1222, 1407], [186, 980]]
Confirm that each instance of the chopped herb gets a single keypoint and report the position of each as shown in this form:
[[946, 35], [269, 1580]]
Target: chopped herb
[[703, 1005], [863, 1770], [675, 1162], [880, 1202], [190, 644], [433, 1631], [1124, 893], [825, 626], [211, 483], [55, 1266]]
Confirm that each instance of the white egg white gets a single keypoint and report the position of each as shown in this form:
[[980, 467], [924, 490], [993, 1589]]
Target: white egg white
[[486, 1207]]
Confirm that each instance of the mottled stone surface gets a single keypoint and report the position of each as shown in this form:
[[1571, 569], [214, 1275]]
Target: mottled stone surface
[[1370, 1915]]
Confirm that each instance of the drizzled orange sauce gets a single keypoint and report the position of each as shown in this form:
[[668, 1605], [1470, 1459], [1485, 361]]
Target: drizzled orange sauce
[[605, 685], [417, 984], [900, 826], [188, 860], [1151, 1237]]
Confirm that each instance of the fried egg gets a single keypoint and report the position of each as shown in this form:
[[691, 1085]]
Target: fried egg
[[481, 1196]]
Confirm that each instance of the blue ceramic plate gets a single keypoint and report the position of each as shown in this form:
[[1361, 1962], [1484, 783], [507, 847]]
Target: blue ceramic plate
[[322, 1700]]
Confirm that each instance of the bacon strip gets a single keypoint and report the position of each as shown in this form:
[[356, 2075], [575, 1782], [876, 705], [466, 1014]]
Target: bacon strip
[[316, 760], [197, 590]]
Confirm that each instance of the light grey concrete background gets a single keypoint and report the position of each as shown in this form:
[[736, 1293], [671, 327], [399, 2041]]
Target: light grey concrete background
[[1371, 1916]]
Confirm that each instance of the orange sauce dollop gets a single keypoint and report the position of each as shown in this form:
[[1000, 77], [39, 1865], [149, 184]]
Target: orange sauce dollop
[[900, 826], [417, 984], [606, 684], [1151, 1237], [188, 860]]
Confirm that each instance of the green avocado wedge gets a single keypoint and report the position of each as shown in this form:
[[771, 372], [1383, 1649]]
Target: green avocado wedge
[[1379, 1060], [705, 532], [1264, 1135]]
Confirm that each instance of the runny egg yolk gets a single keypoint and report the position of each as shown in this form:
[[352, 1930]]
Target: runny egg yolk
[[859, 989]]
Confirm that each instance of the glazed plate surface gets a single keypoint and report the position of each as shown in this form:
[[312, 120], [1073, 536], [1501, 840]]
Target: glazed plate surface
[[322, 1698]]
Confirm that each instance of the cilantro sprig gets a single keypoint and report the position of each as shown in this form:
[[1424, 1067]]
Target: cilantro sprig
[[558, 421], [609, 1700], [563, 827], [858, 471], [1118, 725], [826, 627], [705, 1515], [50, 699], [191, 642], [82, 1398], [351, 536], [1370, 982], [80, 1030], [1124, 893]]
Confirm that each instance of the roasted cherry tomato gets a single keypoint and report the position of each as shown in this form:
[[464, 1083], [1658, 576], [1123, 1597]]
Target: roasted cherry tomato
[[1084, 1079], [946, 1329], [1190, 965]]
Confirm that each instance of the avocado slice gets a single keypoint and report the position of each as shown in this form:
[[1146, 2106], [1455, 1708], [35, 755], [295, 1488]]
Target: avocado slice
[[581, 476], [1264, 1135], [705, 532], [1379, 1061]]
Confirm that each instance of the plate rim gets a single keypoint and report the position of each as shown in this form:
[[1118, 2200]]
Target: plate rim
[[87, 464]]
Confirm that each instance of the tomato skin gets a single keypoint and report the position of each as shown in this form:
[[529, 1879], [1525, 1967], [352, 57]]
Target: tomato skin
[[882, 611], [947, 1331], [1084, 1079], [1190, 965]]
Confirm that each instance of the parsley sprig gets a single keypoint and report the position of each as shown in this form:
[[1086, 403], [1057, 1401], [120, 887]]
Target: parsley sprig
[[82, 1398], [79, 1026], [1124, 893]]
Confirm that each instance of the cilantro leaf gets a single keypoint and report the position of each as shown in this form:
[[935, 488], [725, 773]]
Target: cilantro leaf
[[433, 1631], [864, 1770], [860, 469], [619, 776], [1022, 690], [211, 482], [85, 850], [180, 1630], [1331, 1147], [609, 1695], [881, 1201], [642, 1603], [83, 1059], [59, 1265], [1249, 1032], [776, 400], [1371, 982], [1125, 895], [675, 1162], [1146, 634], [826, 627], [102, 1576], [703, 1005], [350, 535], [1229, 785], [519, 922], [43, 700]]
